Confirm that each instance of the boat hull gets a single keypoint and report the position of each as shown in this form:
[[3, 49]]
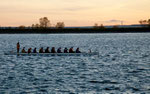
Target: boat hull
[[52, 54]]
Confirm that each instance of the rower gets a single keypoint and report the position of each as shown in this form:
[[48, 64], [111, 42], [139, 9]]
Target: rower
[[34, 51], [18, 47], [29, 50], [77, 50], [53, 50], [90, 51], [47, 50], [59, 50], [71, 50], [23, 50], [41, 50], [65, 50]]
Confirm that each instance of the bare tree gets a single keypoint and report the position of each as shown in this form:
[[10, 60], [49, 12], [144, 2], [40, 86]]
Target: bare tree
[[96, 25], [44, 22], [60, 25]]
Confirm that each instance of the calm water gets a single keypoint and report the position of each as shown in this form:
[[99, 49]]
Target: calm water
[[123, 65]]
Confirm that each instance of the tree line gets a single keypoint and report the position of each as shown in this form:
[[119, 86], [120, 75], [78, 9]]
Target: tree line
[[44, 22], [145, 22]]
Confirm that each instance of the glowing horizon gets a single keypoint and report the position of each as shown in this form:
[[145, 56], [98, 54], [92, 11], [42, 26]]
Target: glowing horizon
[[74, 13]]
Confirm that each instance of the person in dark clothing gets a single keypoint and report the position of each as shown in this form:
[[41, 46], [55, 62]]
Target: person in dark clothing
[[41, 50], [59, 50], [23, 50], [47, 50], [78, 51], [53, 50], [34, 51], [71, 50], [18, 47], [29, 50], [65, 50]]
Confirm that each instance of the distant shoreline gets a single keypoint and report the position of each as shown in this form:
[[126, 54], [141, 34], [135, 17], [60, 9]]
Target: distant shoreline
[[74, 30]]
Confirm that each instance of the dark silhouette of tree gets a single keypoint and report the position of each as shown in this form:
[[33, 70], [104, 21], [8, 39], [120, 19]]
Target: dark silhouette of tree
[[44, 22], [32, 25], [35, 26], [143, 22], [21, 27], [96, 26], [60, 25], [148, 21], [115, 26], [101, 26]]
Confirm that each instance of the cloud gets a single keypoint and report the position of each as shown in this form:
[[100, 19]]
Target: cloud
[[112, 21]]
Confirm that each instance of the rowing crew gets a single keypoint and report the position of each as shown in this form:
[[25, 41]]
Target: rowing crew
[[41, 50]]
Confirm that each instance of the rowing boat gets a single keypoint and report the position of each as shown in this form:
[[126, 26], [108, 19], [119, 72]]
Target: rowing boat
[[52, 54]]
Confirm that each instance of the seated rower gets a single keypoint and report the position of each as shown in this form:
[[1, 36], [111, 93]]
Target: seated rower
[[78, 51], [29, 50], [59, 50], [65, 50], [34, 51], [53, 50], [23, 50], [47, 50], [90, 51], [41, 50], [71, 50]]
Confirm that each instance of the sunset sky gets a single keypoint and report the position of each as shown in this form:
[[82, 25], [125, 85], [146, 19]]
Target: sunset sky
[[73, 12]]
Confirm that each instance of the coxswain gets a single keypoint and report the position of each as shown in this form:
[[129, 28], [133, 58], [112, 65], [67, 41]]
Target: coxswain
[[34, 51], [23, 50], [71, 50], [59, 50], [78, 51], [18, 47], [41, 50], [53, 50], [65, 50], [47, 50], [29, 50]]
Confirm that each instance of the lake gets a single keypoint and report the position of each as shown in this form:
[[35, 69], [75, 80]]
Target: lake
[[122, 67]]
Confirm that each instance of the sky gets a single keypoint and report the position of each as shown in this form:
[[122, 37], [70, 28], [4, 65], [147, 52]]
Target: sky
[[73, 12]]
